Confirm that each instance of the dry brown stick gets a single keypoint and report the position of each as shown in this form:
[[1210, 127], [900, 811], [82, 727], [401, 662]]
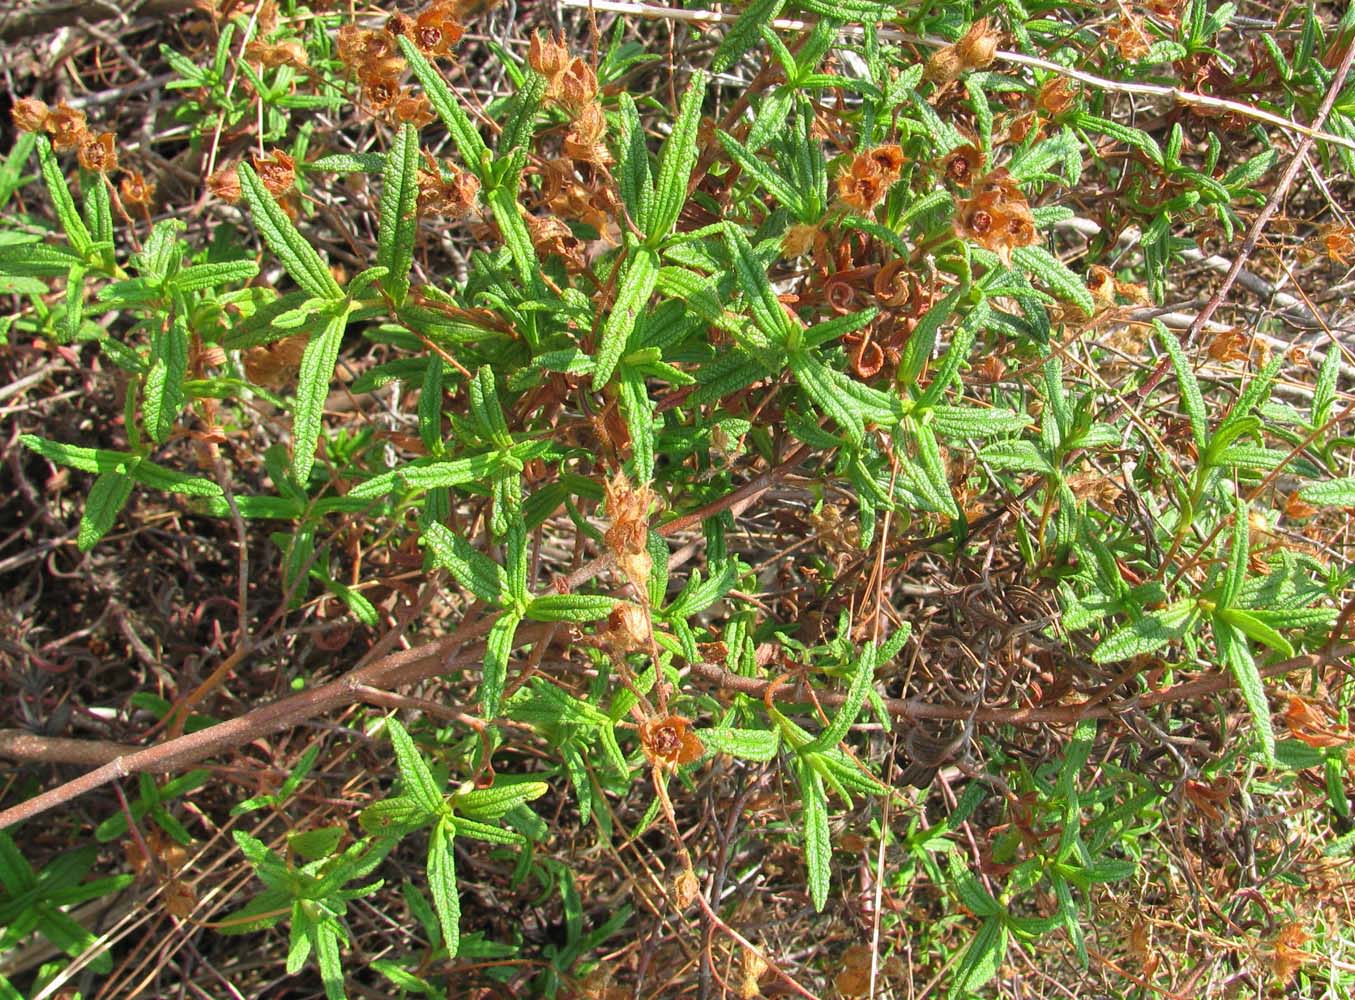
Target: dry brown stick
[[394, 670], [34, 20]]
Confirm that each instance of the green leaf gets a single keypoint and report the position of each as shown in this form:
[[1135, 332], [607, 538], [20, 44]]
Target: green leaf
[[745, 32], [1235, 572], [1332, 493], [1191, 399], [290, 247], [474, 152], [818, 845], [570, 607], [503, 203], [1055, 275], [498, 646], [171, 481], [474, 570], [457, 472], [399, 222], [635, 283], [212, 275], [76, 232], [442, 885], [1232, 644], [981, 959], [768, 313], [106, 499], [1153, 631], [633, 176], [312, 389], [414, 772], [1254, 626], [749, 744], [815, 380], [164, 393], [863, 673], [676, 160], [1019, 456]]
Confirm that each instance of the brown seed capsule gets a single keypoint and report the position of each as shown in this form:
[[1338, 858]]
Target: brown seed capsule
[[548, 56], [944, 65], [978, 48], [278, 172], [135, 189], [67, 127], [30, 114], [225, 184], [99, 154], [670, 741]]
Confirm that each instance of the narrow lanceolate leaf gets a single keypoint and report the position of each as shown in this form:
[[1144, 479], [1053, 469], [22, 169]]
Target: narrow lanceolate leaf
[[78, 457], [317, 368], [745, 33], [1192, 401], [1236, 570], [639, 272], [464, 135], [503, 203], [813, 378], [442, 885], [77, 233], [297, 255], [414, 772], [456, 472], [158, 477], [750, 744], [818, 843], [633, 176], [213, 275], [675, 163], [106, 499], [571, 607], [164, 382], [1332, 493], [981, 959], [498, 646], [768, 313], [1233, 650], [399, 191], [474, 570], [1055, 276], [1153, 631], [638, 410], [862, 675]]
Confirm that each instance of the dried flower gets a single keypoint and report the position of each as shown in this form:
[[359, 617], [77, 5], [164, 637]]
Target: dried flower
[[1130, 37], [225, 184], [670, 741], [978, 47], [415, 110], [628, 537], [274, 364], [549, 57], [135, 189], [962, 164], [436, 31], [552, 238], [30, 114], [99, 154], [577, 86], [1056, 96], [288, 52], [400, 25], [380, 93], [438, 195], [943, 66], [67, 127], [628, 628], [869, 177], [997, 217], [586, 139], [277, 172]]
